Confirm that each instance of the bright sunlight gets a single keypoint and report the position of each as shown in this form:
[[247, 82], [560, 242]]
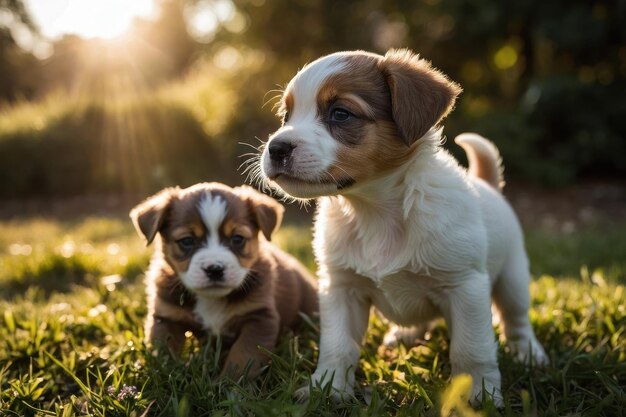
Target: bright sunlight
[[104, 19]]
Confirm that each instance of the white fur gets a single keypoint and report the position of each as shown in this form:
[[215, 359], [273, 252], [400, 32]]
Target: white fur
[[212, 314], [315, 149], [215, 313], [423, 242], [426, 240], [213, 211]]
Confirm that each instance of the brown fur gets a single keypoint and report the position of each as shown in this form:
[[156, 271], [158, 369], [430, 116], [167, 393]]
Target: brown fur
[[420, 95], [276, 289], [395, 99], [286, 106]]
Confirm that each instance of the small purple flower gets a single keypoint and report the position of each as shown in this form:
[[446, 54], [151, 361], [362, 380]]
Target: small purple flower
[[111, 390], [128, 391]]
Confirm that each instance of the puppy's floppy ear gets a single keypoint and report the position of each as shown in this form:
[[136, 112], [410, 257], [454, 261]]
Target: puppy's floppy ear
[[420, 95], [148, 216], [267, 212]]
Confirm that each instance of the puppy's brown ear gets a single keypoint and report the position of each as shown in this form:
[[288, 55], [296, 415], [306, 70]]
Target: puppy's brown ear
[[267, 212], [420, 95], [148, 216]]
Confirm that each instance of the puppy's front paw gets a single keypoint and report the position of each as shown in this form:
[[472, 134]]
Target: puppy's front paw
[[303, 394], [490, 389], [526, 348], [338, 390]]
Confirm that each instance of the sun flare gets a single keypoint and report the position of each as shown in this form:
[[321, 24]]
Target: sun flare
[[105, 19]]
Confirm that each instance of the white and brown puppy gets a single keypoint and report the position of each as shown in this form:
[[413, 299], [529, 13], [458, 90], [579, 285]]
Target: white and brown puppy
[[400, 224], [215, 270]]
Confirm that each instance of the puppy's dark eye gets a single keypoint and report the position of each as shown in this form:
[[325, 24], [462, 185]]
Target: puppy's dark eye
[[186, 244], [340, 115], [286, 117], [237, 241]]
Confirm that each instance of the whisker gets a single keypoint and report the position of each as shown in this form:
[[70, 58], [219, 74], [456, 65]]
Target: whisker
[[331, 177], [279, 92], [251, 176], [248, 154], [250, 166], [256, 148], [251, 157], [334, 165], [276, 97], [255, 177]]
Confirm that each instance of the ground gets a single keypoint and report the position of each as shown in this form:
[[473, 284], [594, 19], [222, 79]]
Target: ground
[[72, 307]]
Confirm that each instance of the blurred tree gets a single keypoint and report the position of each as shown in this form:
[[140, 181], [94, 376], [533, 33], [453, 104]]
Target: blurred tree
[[18, 10], [169, 38], [544, 80], [16, 66], [152, 52]]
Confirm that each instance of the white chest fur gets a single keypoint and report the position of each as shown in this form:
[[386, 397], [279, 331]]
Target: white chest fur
[[213, 313], [423, 220], [410, 234], [368, 243]]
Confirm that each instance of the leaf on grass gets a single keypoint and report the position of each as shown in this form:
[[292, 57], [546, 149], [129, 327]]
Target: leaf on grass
[[456, 396]]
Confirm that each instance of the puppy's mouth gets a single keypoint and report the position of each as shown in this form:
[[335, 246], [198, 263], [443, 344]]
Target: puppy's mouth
[[306, 184], [213, 285], [217, 289], [340, 183]]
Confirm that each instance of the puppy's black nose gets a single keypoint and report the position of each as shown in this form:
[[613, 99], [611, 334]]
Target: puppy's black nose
[[214, 272], [280, 151]]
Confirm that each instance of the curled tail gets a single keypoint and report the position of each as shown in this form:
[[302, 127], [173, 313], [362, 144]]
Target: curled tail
[[484, 159]]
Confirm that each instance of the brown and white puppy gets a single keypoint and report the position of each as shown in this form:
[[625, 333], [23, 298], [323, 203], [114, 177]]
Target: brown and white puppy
[[400, 226], [215, 270]]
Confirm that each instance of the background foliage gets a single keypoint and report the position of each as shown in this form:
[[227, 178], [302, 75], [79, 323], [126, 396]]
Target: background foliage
[[544, 80]]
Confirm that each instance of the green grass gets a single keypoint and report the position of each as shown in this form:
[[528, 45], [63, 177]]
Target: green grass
[[72, 307]]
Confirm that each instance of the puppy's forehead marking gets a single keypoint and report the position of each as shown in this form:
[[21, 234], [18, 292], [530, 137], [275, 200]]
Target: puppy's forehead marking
[[213, 210], [305, 85]]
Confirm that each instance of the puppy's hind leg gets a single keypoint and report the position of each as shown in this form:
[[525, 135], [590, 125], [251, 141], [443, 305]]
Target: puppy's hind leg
[[512, 299]]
